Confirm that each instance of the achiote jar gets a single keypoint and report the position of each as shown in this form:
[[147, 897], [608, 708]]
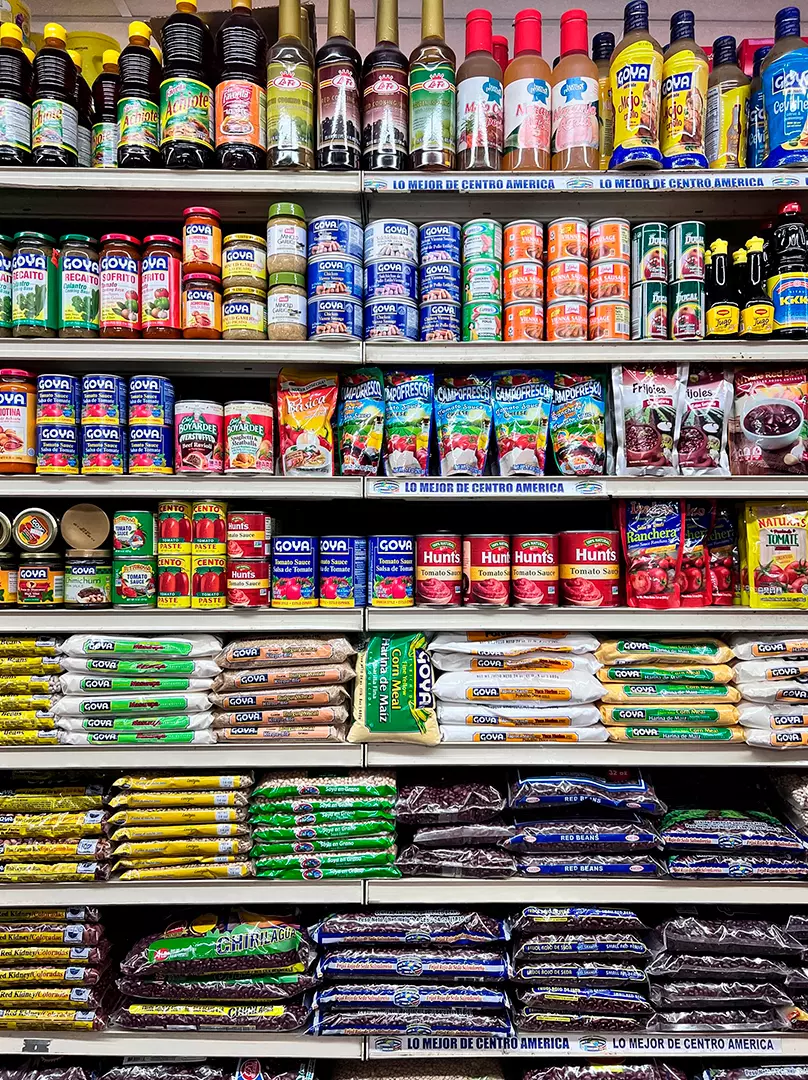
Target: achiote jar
[[88, 578], [41, 580]]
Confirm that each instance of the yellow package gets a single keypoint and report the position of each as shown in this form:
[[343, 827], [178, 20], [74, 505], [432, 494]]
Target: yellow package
[[45, 1019], [179, 860], [676, 734], [670, 693], [28, 646], [189, 799], [29, 684], [20, 802], [743, 558], [52, 826], [27, 719], [29, 665], [47, 851], [718, 674], [674, 650], [36, 737], [37, 975], [777, 554], [175, 817], [161, 849], [63, 871], [672, 715], [205, 871], [25, 702], [306, 404], [181, 832], [183, 783]]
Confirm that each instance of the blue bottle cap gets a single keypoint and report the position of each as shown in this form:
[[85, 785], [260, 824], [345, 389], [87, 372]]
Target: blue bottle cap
[[787, 22], [759, 57], [602, 46], [683, 25], [635, 16], [725, 51]]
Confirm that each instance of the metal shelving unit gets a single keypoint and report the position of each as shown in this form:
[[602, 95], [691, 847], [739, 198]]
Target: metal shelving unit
[[173, 893], [607, 620], [155, 621], [534, 890], [181, 486], [266, 755], [613, 755], [178, 1044]]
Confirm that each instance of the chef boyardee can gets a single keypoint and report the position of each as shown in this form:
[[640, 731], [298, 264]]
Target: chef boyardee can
[[388, 319], [58, 399], [686, 251], [649, 311], [440, 322], [343, 571], [151, 400], [482, 239], [686, 310], [103, 399], [440, 242], [649, 252]]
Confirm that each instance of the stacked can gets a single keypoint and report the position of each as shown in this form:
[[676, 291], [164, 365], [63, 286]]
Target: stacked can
[[174, 536], [609, 280], [103, 425], [134, 559], [391, 281], [335, 276], [151, 424], [523, 281], [439, 281], [58, 410], [649, 282], [482, 280], [249, 538], [343, 575], [686, 280], [209, 554], [567, 284]]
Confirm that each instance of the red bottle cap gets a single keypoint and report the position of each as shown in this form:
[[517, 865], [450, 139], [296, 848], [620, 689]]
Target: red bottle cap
[[500, 43], [574, 32], [478, 31], [791, 208], [527, 33]]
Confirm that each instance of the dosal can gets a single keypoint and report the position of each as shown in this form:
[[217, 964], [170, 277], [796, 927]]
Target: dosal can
[[438, 570], [590, 568], [486, 569], [534, 569]]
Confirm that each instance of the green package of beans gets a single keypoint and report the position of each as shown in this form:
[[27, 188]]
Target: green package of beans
[[345, 872], [330, 817], [279, 785], [314, 806], [328, 861], [301, 847], [322, 832]]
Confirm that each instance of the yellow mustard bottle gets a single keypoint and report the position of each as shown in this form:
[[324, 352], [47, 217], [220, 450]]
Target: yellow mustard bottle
[[635, 78], [684, 96], [727, 103]]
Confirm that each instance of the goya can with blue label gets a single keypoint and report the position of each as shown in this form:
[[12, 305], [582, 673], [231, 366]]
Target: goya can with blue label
[[335, 236], [440, 242], [57, 448], [343, 571], [58, 399], [335, 317], [392, 320], [395, 278], [103, 449], [335, 275], [439, 283], [151, 448], [440, 322], [103, 399], [391, 238], [391, 571], [151, 400], [294, 571]]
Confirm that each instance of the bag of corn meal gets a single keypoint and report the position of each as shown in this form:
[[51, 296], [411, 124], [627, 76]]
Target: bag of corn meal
[[393, 698]]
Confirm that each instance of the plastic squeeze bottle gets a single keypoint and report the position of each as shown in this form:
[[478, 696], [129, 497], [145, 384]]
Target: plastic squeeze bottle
[[105, 119], [685, 73], [139, 102], [479, 98], [602, 49], [757, 313], [55, 117], [84, 104], [635, 77], [527, 99], [787, 282], [186, 95], [727, 102], [385, 95], [723, 309], [241, 95], [575, 139], [756, 148], [785, 94], [16, 85], [433, 94]]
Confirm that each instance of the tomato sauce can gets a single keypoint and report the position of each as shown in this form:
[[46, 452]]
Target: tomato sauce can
[[609, 280], [103, 449], [133, 533], [567, 321], [534, 569], [173, 581], [208, 581], [524, 322], [589, 568], [610, 238], [248, 583], [649, 311], [523, 242], [649, 252], [610, 320], [209, 527], [151, 449], [523, 281], [487, 569], [391, 571], [58, 399], [246, 534], [438, 570], [103, 399], [174, 527], [567, 238], [343, 571], [57, 448], [294, 571], [134, 581], [151, 400], [568, 280]]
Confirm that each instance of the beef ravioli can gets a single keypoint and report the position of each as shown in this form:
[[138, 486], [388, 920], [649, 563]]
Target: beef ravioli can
[[391, 571]]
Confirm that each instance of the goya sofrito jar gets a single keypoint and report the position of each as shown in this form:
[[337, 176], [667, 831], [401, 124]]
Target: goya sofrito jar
[[244, 314], [244, 261], [160, 277], [6, 251], [201, 241], [34, 288], [41, 580], [88, 578], [119, 286], [78, 286], [286, 308], [17, 421], [202, 306]]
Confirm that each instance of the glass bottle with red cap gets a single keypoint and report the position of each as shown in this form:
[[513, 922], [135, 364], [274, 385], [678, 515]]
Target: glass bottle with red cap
[[161, 287], [574, 140], [479, 98], [500, 43], [527, 98]]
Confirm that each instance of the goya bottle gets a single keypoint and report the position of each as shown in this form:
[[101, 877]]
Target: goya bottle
[[685, 73], [55, 118], [757, 311], [528, 100], [788, 273], [290, 95], [241, 96], [727, 102], [385, 95], [84, 104], [16, 85], [722, 316], [756, 148], [339, 118], [186, 97], [433, 94], [602, 49], [635, 77], [784, 73], [105, 120], [139, 102]]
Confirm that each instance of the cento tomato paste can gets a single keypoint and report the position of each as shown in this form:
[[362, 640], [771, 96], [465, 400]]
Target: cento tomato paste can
[[391, 571], [246, 534], [294, 571], [590, 568], [486, 569], [343, 571], [209, 527], [173, 581], [208, 584], [438, 570], [534, 569], [174, 527], [248, 583]]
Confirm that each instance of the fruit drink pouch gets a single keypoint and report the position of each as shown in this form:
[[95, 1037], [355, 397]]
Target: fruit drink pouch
[[360, 422], [407, 422]]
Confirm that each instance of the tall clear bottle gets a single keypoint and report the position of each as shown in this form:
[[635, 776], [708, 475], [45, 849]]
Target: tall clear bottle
[[527, 98], [16, 86], [479, 98], [84, 104], [241, 62], [602, 49], [756, 135], [55, 117], [290, 95], [139, 102], [106, 88], [433, 94], [385, 95], [338, 66], [186, 94], [727, 103], [574, 143], [685, 72], [784, 73], [635, 78]]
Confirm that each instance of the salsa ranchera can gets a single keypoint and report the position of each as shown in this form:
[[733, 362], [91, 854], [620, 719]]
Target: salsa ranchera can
[[487, 569], [294, 571], [534, 569], [343, 571], [589, 568], [438, 570], [391, 571], [248, 583]]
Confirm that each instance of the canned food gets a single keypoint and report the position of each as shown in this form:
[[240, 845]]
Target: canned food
[[209, 527], [248, 583], [391, 238], [134, 582], [610, 320], [395, 278], [438, 570], [103, 399], [294, 571], [343, 571], [335, 317], [589, 568], [567, 321], [524, 241], [248, 437], [332, 235], [151, 400], [208, 582], [439, 282], [391, 571], [246, 534], [57, 448], [34, 529], [609, 280], [649, 252], [440, 322], [133, 533], [151, 449], [199, 436], [524, 322], [486, 569], [482, 280], [567, 238], [335, 275], [103, 449], [392, 320], [686, 241], [649, 311], [40, 580], [610, 238], [173, 581], [523, 281], [174, 527], [440, 242], [482, 321], [88, 578], [534, 569], [686, 310], [58, 399], [568, 280], [482, 239]]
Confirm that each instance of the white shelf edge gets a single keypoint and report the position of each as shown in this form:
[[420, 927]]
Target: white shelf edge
[[181, 485], [590, 352], [179, 1044], [200, 356], [248, 756], [245, 891], [621, 619], [153, 620], [429, 488], [162, 181], [614, 755]]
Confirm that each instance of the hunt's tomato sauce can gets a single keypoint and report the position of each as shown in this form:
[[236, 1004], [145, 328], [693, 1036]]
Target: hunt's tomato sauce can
[[438, 570], [246, 534], [391, 571], [534, 569], [247, 583], [590, 568], [486, 569]]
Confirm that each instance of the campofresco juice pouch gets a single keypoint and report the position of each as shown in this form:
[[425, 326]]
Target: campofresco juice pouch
[[407, 422], [463, 413], [522, 405], [360, 422]]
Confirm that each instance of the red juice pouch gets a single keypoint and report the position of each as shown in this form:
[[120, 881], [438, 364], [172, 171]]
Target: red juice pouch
[[722, 549], [703, 437], [463, 413], [522, 402], [695, 585], [578, 424], [360, 421], [653, 532], [648, 408]]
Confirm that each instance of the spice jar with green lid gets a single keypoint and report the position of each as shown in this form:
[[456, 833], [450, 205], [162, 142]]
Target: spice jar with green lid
[[244, 261], [79, 291], [244, 314], [6, 251], [286, 308], [34, 288], [286, 239]]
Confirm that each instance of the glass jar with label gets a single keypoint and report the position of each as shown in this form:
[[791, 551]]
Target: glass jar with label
[[34, 291], [244, 261], [6, 251], [79, 296], [201, 241], [202, 307], [8, 579], [88, 578], [244, 315], [286, 239], [18, 434], [119, 286], [160, 277], [286, 308], [34, 529], [41, 580]]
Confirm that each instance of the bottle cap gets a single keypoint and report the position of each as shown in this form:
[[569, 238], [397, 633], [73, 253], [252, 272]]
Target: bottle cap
[[189, 210], [139, 30], [79, 238], [760, 56], [602, 46], [77, 59], [109, 58], [285, 278], [286, 209], [739, 256], [683, 25], [500, 43], [791, 208], [527, 31], [725, 51], [574, 32], [111, 237], [787, 22], [478, 31], [755, 243], [719, 247], [186, 5], [29, 53], [10, 32], [635, 16], [54, 32]]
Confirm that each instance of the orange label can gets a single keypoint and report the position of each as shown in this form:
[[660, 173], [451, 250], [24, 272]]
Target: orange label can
[[567, 321], [610, 320], [610, 238], [524, 322], [523, 242], [523, 281], [567, 238], [609, 280], [568, 280]]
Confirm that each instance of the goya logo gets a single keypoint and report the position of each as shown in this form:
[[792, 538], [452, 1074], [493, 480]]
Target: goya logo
[[240, 255], [388, 545], [236, 307], [83, 571], [15, 398], [79, 263], [633, 73], [154, 263], [34, 573], [145, 385], [111, 264], [393, 228], [29, 260], [425, 698], [682, 80], [338, 545], [198, 229], [332, 266], [96, 383], [94, 645], [793, 81], [109, 436], [434, 232], [293, 545], [54, 382]]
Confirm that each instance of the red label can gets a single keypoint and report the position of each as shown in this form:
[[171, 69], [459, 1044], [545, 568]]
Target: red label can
[[438, 570], [590, 568], [534, 569], [246, 534], [487, 569], [209, 520], [248, 583], [174, 527]]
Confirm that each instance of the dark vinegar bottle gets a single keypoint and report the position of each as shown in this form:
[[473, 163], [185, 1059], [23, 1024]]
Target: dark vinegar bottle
[[16, 85], [788, 273], [385, 95], [241, 94], [55, 118], [84, 104], [186, 96], [105, 121], [338, 67], [139, 102]]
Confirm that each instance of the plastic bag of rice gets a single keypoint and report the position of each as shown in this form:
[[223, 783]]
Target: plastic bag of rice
[[519, 688]]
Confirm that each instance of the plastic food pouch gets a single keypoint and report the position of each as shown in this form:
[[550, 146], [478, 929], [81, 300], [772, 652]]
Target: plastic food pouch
[[669, 694], [506, 716], [702, 442], [56, 871], [74, 683], [157, 799], [483, 643], [29, 684], [181, 722], [777, 554], [253, 733], [52, 826], [360, 421], [673, 715], [29, 665], [315, 675], [306, 403], [695, 583], [648, 403], [769, 425], [650, 733], [724, 561], [653, 536], [393, 696], [578, 424], [46, 802], [362, 782], [773, 717], [29, 738], [775, 693], [198, 669], [463, 412], [673, 650], [28, 718], [112, 645], [770, 646], [696, 829], [795, 739], [131, 704], [13, 645], [258, 718], [305, 698], [518, 734], [184, 782], [285, 652], [57, 1019], [522, 403], [715, 673], [407, 422], [149, 816], [558, 662], [769, 670], [520, 688]]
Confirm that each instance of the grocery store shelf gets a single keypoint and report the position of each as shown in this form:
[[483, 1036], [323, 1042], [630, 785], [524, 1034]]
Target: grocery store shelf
[[188, 485], [594, 487], [249, 756], [615, 620], [247, 891], [178, 1044], [154, 621], [615, 755]]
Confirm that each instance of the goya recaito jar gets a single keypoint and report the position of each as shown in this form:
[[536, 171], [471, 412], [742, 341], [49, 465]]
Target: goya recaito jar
[[79, 295], [202, 307], [17, 421], [6, 252], [34, 291], [201, 241], [160, 277], [119, 286]]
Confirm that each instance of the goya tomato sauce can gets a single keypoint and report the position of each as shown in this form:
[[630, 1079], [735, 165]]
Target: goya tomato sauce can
[[247, 583], [103, 399], [58, 399], [174, 527], [486, 569], [391, 571], [589, 565], [173, 581], [438, 570], [294, 571], [534, 569], [57, 448], [151, 400], [208, 581], [343, 571], [246, 534]]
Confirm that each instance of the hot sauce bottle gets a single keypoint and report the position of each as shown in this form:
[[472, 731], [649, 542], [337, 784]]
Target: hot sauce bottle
[[575, 139], [479, 98]]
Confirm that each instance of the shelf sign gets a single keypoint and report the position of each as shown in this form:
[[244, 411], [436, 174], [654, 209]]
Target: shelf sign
[[550, 1045], [484, 487], [671, 181]]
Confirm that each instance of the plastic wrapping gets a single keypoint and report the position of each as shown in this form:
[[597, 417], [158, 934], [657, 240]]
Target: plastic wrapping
[[141, 1016], [667, 650], [455, 928], [535, 920], [425, 963], [725, 937], [414, 861], [605, 947], [585, 999], [286, 651], [624, 790], [421, 1022], [247, 988], [443, 804], [588, 835]]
